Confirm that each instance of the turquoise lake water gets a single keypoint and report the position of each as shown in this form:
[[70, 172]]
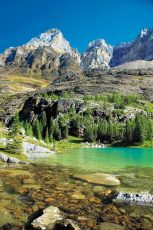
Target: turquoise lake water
[[104, 159], [132, 166]]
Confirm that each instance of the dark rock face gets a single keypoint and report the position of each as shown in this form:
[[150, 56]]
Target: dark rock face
[[9, 107], [34, 106], [63, 105], [100, 113], [43, 60]]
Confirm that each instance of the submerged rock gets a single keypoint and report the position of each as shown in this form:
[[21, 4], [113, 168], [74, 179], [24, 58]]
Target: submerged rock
[[67, 224], [109, 226], [141, 198], [78, 196], [99, 178]]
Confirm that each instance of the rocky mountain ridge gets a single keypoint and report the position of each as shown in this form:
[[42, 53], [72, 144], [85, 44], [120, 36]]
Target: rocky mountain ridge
[[42, 55], [50, 54], [139, 49]]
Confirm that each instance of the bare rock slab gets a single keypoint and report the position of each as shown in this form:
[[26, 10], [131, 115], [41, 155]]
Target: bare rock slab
[[99, 178]]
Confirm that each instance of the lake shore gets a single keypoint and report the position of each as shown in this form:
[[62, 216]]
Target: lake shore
[[85, 203]]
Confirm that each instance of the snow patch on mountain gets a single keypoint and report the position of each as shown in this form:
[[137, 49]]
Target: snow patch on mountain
[[54, 39]]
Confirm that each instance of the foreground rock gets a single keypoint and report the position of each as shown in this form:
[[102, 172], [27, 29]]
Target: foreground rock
[[49, 218], [8, 159], [99, 179], [53, 218], [31, 149], [109, 226], [140, 198]]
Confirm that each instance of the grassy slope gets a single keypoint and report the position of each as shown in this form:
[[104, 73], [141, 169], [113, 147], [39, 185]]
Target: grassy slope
[[70, 143], [14, 84]]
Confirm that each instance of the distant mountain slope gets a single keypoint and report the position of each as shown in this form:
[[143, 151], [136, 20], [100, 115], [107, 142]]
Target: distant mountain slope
[[138, 64], [139, 49], [50, 53]]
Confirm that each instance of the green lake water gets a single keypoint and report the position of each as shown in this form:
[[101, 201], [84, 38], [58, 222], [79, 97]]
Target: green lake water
[[104, 159], [133, 166], [24, 189]]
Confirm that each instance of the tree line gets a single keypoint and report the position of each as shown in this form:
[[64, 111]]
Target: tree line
[[90, 128]]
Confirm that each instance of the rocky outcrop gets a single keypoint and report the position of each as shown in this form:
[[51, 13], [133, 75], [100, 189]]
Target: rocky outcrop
[[9, 107], [7, 159], [33, 151], [52, 218], [140, 198], [34, 106]]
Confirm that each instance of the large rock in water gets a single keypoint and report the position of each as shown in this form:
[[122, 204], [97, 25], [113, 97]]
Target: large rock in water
[[140, 198], [52, 219], [49, 218], [99, 178]]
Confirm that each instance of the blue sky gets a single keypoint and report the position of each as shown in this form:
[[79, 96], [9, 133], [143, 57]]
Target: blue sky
[[80, 21]]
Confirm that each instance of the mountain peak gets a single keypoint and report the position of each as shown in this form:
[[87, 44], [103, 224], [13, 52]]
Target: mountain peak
[[52, 38], [98, 54], [97, 43], [146, 32]]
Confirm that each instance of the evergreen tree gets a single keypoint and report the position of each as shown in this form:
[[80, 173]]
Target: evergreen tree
[[128, 135], [36, 130], [51, 128], [110, 131], [149, 130], [47, 136], [14, 146], [16, 124], [29, 131], [88, 135], [102, 130], [43, 120], [57, 132], [64, 132], [138, 130]]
